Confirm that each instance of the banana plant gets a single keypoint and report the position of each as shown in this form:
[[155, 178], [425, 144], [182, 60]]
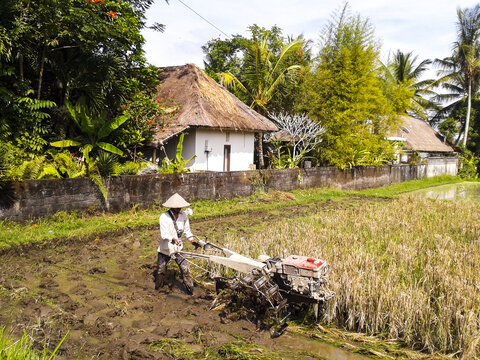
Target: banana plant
[[178, 164], [94, 126]]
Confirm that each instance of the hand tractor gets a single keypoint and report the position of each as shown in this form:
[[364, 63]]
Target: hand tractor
[[296, 279]]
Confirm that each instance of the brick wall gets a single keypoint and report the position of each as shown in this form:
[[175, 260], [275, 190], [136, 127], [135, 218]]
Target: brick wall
[[38, 198]]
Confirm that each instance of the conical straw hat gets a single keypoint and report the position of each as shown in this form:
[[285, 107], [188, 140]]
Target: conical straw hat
[[175, 202]]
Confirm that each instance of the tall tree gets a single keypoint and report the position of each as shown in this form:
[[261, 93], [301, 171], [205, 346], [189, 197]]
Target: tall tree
[[264, 76], [344, 94], [61, 50], [404, 73], [460, 73]]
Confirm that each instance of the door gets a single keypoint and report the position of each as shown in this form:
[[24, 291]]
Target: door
[[226, 157]]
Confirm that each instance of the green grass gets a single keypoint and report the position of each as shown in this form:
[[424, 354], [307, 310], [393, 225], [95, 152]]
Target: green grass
[[76, 225], [22, 349]]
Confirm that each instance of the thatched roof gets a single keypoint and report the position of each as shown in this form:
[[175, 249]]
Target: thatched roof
[[420, 136], [203, 103]]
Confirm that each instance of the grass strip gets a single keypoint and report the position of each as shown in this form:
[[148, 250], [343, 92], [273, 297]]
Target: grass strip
[[74, 224], [22, 348]]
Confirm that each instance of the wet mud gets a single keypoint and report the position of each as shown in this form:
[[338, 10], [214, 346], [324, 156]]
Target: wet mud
[[102, 294]]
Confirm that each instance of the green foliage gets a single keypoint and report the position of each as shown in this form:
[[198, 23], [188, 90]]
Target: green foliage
[[344, 93], [64, 165], [106, 164], [57, 51], [223, 56], [263, 71], [22, 349], [94, 127], [469, 165], [449, 129], [178, 164], [138, 130], [282, 158], [402, 85], [29, 169], [263, 74], [377, 157], [128, 168], [460, 72], [4, 165]]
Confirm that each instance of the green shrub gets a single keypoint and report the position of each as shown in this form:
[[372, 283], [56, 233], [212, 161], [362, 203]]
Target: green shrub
[[29, 169], [129, 168], [63, 165], [106, 164], [468, 165]]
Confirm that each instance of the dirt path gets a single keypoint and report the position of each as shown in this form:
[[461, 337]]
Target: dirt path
[[102, 293]]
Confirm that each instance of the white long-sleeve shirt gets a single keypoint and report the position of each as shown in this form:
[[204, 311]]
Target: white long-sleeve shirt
[[168, 232]]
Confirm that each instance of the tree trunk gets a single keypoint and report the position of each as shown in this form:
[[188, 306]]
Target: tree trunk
[[40, 75], [459, 136], [261, 164], [20, 66], [469, 106]]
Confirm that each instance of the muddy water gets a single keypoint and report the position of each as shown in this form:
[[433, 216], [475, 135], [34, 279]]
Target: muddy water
[[296, 343], [466, 191]]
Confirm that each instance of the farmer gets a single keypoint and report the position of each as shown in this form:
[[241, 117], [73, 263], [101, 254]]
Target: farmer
[[173, 224]]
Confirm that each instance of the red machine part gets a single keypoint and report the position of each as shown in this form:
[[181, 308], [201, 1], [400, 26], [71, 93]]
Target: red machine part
[[303, 262]]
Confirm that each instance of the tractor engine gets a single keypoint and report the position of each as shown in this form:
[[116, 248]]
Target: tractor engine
[[303, 277]]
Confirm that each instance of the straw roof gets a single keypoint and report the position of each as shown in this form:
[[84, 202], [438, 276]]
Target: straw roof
[[203, 103], [420, 136]]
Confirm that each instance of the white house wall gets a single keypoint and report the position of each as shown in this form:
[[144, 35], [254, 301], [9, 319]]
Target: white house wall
[[442, 166], [188, 149], [214, 141], [196, 141]]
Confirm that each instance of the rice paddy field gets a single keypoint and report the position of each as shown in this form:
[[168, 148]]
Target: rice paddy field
[[405, 270]]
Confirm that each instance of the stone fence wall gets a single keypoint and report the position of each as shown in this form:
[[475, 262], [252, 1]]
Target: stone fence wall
[[39, 198]]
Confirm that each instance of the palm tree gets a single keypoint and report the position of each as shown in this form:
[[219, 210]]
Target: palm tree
[[263, 76], [404, 71], [460, 73]]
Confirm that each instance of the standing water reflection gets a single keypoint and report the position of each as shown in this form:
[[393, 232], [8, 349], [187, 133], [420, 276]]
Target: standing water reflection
[[462, 191]]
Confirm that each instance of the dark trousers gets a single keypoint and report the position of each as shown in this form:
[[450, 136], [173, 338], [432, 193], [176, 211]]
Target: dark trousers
[[163, 260]]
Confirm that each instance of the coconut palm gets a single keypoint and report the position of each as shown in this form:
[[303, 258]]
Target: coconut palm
[[460, 73], [404, 71], [264, 74]]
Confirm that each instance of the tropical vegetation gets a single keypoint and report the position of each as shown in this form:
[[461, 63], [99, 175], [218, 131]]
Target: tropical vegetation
[[460, 72], [85, 60], [346, 88], [344, 94]]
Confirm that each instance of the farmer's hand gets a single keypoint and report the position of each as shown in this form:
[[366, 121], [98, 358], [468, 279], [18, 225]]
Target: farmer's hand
[[176, 241], [195, 244]]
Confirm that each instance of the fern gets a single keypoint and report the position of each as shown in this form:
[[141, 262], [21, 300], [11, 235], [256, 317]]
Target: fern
[[49, 172], [30, 169]]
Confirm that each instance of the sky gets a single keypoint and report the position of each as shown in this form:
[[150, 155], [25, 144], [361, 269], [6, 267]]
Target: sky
[[425, 27]]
